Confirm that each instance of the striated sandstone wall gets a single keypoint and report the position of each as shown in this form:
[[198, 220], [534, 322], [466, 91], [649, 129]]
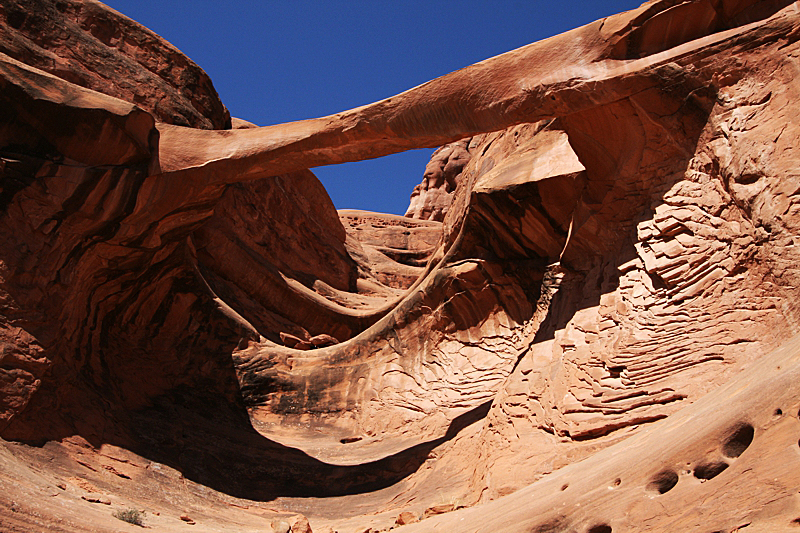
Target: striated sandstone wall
[[606, 238]]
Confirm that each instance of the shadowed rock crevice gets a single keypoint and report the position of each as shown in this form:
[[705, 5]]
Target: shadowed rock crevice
[[663, 482], [739, 441], [220, 450], [707, 471]]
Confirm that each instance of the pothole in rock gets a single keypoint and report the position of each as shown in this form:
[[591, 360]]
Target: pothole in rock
[[663, 482], [739, 441], [710, 470]]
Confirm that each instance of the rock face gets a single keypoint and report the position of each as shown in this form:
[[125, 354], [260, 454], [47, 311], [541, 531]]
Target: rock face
[[586, 321], [431, 199], [91, 45]]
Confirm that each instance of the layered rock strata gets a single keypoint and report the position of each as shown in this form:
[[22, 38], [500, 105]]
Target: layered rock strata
[[608, 242]]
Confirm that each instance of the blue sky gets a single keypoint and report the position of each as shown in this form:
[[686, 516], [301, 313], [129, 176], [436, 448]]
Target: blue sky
[[274, 62]]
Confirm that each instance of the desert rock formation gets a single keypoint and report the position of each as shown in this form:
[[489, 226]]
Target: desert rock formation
[[431, 199], [585, 322]]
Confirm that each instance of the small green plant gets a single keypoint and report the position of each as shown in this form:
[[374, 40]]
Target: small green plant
[[131, 516]]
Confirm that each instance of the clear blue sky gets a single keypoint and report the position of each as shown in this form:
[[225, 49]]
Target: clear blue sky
[[279, 61]]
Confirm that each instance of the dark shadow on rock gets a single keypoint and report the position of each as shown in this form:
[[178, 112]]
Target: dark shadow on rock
[[210, 443]]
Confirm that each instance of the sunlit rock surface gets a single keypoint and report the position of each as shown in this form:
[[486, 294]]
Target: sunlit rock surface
[[585, 322]]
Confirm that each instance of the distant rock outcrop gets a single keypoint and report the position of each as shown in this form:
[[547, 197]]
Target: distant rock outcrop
[[586, 321], [431, 199]]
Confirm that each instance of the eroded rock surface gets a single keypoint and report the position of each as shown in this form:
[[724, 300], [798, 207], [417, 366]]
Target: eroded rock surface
[[585, 322], [91, 45], [431, 199]]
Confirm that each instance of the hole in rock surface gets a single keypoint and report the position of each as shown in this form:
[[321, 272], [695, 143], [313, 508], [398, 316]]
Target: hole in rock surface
[[747, 179], [616, 371], [383, 185], [779, 412], [739, 441], [551, 526], [663, 482], [600, 528], [710, 470]]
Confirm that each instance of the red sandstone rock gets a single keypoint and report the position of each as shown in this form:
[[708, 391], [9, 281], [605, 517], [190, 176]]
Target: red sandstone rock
[[322, 340], [619, 244], [431, 199], [406, 517], [241, 124], [290, 340], [91, 45], [439, 509], [299, 524], [94, 498]]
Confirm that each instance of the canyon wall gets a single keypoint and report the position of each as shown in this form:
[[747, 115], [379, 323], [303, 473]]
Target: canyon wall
[[584, 307]]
